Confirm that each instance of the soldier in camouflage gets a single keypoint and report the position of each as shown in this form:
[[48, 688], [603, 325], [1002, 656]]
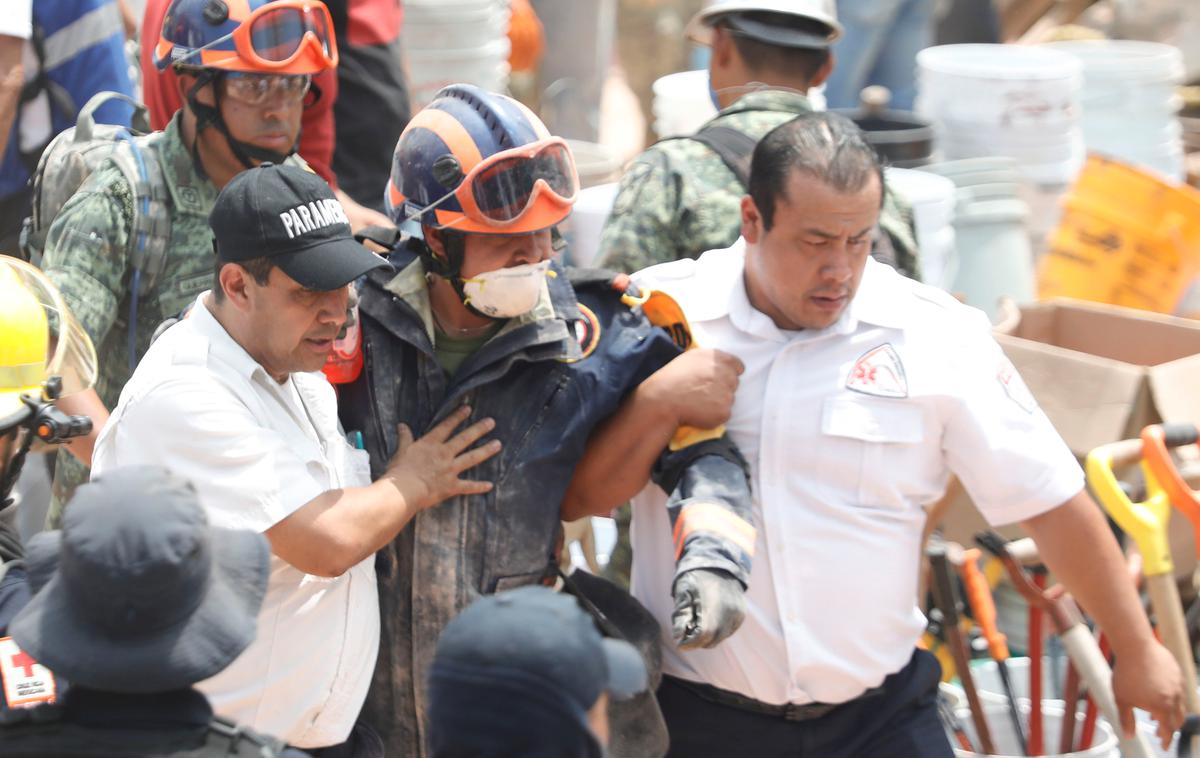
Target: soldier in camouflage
[[681, 197], [235, 115]]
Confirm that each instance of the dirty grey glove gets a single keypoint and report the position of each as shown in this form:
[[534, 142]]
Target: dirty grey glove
[[709, 606]]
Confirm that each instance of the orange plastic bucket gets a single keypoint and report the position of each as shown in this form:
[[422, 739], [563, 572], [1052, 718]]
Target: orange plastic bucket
[[1127, 238]]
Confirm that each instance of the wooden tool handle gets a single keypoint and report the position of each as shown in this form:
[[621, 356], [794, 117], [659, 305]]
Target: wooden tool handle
[[1081, 647], [1165, 597]]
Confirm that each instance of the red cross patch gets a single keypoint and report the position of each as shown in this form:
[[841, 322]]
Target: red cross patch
[[879, 372], [26, 682]]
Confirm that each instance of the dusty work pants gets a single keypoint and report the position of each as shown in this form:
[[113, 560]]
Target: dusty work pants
[[899, 720]]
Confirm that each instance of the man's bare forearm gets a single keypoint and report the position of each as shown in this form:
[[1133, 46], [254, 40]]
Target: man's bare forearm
[[1076, 544], [620, 455], [12, 77], [337, 529]]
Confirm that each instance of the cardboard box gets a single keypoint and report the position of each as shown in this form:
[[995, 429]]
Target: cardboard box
[[1101, 373]]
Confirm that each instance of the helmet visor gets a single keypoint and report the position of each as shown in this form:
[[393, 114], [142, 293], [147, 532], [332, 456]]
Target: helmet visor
[[70, 355], [506, 188], [279, 34]]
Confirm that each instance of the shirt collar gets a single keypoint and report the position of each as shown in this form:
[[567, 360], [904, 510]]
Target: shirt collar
[[724, 285], [222, 343], [878, 300]]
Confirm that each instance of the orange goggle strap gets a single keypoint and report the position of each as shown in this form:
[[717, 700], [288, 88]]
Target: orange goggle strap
[[309, 56], [544, 209]]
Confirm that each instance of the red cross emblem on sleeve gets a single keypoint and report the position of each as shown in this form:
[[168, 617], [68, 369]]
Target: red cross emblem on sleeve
[[26, 682]]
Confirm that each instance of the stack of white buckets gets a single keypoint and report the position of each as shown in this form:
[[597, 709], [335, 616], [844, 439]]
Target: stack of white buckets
[[449, 41], [1130, 104], [1007, 101]]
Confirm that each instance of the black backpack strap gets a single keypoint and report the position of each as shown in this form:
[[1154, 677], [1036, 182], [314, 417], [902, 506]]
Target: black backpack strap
[[734, 148]]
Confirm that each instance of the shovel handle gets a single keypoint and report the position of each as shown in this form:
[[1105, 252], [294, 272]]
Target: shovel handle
[[1093, 670], [1145, 522], [1164, 595], [945, 597], [1157, 441]]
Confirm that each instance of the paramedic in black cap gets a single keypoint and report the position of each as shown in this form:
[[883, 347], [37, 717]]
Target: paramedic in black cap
[[526, 673], [137, 599], [231, 398]]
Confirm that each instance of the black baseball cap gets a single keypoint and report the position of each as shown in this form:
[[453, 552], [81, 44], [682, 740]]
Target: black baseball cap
[[529, 655], [290, 215]]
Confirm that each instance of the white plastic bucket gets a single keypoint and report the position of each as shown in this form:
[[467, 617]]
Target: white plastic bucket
[[1004, 739], [933, 199], [485, 67], [681, 103], [582, 228], [596, 163], [995, 257], [1018, 87], [1130, 103], [476, 29]]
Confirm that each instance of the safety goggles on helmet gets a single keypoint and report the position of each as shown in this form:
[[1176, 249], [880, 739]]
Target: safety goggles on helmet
[[256, 89], [509, 187], [281, 36]]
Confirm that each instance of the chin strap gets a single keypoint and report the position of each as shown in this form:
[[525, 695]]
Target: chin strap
[[450, 266], [210, 115]]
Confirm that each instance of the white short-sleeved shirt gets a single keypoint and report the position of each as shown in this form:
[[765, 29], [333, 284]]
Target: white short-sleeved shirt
[[850, 431], [17, 19], [257, 451]]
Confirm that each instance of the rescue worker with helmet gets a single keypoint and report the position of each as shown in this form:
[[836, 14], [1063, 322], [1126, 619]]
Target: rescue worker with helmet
[[478, 311], [44, 356], [681, 197], [244, 69]]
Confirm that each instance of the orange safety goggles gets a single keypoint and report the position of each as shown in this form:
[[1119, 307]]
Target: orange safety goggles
[[289, 36], [521, 187]]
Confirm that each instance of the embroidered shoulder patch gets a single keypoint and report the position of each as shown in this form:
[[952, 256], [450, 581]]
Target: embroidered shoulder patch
[[587, 331], [879, 372], [26, 682]]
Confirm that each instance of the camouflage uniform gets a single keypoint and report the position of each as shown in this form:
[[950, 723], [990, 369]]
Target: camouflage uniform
[[86, 257], [678, 199]]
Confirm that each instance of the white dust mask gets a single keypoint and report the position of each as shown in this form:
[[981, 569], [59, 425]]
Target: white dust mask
[[506, 292]]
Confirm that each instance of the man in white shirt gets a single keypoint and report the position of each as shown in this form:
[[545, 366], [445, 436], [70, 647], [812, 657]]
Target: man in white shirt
[[232, 399], [862, 392]]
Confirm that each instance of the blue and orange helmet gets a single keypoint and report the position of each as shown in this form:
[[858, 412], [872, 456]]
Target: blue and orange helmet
[[480, 163], [250, 36]]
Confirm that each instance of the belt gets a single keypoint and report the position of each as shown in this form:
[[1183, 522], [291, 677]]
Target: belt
[[787, 711]]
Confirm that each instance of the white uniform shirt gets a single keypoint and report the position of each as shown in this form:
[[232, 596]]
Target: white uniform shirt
[[257, 451], [849, 431]]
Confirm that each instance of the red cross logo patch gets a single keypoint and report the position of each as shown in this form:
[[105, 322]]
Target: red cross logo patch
[[879, 372], [26, 682]]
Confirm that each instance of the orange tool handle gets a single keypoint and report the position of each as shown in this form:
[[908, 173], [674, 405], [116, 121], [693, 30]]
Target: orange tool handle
[[1157, 441], [979, 595]]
